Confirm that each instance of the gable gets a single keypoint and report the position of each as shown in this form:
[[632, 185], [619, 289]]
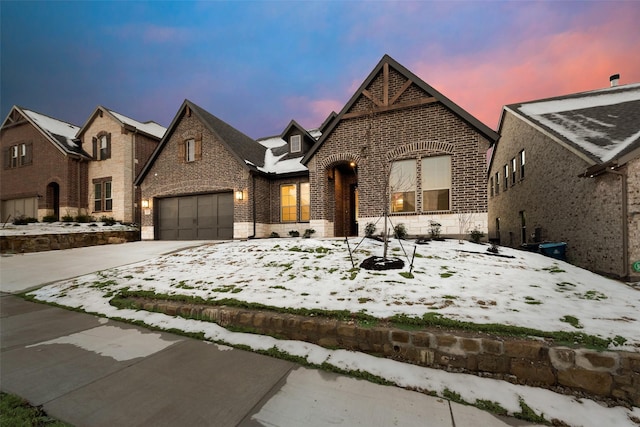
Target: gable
[[392, 87]]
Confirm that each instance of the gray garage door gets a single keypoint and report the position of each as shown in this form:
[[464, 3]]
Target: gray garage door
[[201, 217]]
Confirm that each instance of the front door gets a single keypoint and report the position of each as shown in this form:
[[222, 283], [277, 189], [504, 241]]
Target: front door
[[346, 200]]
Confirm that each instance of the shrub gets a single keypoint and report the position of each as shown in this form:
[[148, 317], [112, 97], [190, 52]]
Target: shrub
[[294, 233], [83, 218], [274, 235], [369, 229], [108, 220], [476, 235], [434, 229], [50, 218], [400, 231], [308, 232], [24, 220], [67, 218]]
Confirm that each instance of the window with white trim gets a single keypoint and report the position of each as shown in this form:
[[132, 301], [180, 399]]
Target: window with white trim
[[190, 146], [513, 171], [102, 197], [305, 202], [295, 142], [288, 203], [522, 161], [506, 177], [436, 183]]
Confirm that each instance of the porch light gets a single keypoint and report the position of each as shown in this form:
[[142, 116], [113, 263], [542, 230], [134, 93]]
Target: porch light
[[145, 203], [352, 164], [239, 195]]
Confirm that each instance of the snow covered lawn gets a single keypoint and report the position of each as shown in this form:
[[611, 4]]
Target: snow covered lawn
[[459, 281], [38, 228]]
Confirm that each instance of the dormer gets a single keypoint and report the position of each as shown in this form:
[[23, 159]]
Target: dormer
[[298, 139]]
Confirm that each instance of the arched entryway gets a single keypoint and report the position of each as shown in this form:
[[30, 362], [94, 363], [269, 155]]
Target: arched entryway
[[344, 177], [53, 199]]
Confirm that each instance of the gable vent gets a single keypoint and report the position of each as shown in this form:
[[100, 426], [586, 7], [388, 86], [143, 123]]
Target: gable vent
[[614, 80]]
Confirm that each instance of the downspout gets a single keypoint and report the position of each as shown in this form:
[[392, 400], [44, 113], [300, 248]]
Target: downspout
[[625, 215], [253, 203], [134, 206]]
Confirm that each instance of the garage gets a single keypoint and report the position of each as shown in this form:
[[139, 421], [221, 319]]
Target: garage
[[16, 208], [196, 217]]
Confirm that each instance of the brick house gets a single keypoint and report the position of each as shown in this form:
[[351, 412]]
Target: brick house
[[582, 180], [207, 180], [53, 168], [44, 166], [119, 147]]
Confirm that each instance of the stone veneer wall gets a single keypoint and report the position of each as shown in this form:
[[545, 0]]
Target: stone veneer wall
[[48, 242], [600, 374]]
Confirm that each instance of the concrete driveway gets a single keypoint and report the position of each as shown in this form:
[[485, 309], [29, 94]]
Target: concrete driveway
[[19, 273]]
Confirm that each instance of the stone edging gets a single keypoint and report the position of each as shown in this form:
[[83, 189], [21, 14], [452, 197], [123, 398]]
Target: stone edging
[[47, 242], [613, 376]]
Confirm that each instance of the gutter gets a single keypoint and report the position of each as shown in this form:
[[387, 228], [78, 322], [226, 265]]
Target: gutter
[[253, 204]]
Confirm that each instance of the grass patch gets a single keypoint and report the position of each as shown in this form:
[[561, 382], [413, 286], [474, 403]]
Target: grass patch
[[554, 269], [446, 274], [593, 295], [491, 406], [406, 274], [18, 412], [528, 414], [532, 301], [573, 321]]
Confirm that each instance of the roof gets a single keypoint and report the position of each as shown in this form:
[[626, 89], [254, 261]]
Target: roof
[[61, 134], [150, 128], [601, 125], [248, 152], [333, 121], [274, 157]]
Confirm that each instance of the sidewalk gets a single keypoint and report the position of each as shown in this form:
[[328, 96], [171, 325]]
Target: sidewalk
[[91, 371]]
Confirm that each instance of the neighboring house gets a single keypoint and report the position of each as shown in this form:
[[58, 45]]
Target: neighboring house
[[567, 169], [44, 166], [119, 147], [207, 180]]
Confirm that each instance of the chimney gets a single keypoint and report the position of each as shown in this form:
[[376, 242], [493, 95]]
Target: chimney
[[614, 79]]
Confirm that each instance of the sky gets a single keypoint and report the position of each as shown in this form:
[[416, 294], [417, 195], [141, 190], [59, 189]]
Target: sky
[[259, 64]]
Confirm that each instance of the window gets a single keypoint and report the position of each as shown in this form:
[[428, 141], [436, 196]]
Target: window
[[190, 150], [513, 171], [102, 146], [522, 164], [491, 186], [14, 156], [288, 203], [305, 202], [190, 146], [102, 198], [506, 177], [18, 155], [296, 143], [436, 183], [497, 183], [402, 186]]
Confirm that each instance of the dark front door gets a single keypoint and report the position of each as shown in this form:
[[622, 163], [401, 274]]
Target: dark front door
[[346, 201]]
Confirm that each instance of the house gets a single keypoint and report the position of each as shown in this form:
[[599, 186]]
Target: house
[[119, 147], [567, 169], [53, 168], [44, 166], [207, 180]]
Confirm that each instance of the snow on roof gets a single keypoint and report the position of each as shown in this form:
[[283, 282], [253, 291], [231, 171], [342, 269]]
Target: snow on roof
[[57, 129], [151, 128], [315, 133], [275, 163], [603, 123]]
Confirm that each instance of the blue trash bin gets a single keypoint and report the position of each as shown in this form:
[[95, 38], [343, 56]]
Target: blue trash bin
[[554, 250]]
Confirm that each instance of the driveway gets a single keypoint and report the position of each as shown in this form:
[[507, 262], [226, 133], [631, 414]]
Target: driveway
[[20, 273]]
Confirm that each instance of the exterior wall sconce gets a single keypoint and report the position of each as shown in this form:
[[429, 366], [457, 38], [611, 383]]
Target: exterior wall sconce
[[145, 203], [239, 195]]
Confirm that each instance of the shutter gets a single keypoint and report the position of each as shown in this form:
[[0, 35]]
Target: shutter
[[94, 140], [108, 156], [7, 158], [29, 157], [182, 151], [198, 148]]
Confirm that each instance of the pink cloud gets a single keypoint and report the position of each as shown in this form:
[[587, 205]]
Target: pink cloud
[[311, 113], [579, 59]]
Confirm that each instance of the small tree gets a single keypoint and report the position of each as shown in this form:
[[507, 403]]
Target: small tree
[[463, 224]]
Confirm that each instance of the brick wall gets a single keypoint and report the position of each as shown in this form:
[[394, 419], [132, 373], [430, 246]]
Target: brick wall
[[633, 183], [583, 212], [217, 171], [408, 133], [49, 165]]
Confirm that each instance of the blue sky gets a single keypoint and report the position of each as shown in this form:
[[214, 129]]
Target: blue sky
[[259, 64]]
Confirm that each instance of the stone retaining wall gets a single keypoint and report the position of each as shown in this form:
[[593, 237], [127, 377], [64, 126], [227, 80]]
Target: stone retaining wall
[[48, 242], [604, 375]]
